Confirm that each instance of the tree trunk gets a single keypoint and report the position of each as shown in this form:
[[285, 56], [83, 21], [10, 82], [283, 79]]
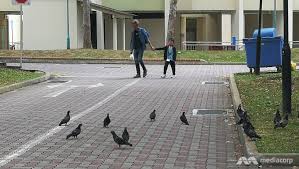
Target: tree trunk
[[86, 25], [172, 19]]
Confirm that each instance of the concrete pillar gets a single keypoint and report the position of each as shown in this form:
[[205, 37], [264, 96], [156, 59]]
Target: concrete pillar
[[238, 21], [279, 23], [183, 30], [226, 28], [124, 33], [166, 16], [100, 28], [114, 32], [291, 23]]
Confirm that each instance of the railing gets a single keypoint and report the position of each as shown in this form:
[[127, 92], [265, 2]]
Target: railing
[[200, 45], [194, 45]]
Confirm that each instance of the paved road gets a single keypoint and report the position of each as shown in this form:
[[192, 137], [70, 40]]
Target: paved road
[[30, 138]]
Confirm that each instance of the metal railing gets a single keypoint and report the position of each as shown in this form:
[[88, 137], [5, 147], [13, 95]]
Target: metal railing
[[202, 46]]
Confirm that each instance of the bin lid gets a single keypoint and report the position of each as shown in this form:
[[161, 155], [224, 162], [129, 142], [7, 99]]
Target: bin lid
[[265, 32]]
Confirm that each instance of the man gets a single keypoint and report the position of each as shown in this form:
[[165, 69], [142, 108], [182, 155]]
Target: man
[[139, 39]]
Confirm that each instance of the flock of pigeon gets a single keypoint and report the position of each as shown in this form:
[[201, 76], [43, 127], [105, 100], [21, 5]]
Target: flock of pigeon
[[249, 129], [124, 140]]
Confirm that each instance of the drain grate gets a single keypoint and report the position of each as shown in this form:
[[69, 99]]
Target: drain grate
[[205, 112], [215, 83]]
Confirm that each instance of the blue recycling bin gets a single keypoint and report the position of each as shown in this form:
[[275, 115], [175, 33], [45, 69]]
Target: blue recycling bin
[[271, 49]]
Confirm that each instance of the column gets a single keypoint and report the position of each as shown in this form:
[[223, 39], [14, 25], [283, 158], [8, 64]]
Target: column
[[114, 33], [124, 33], [279, 23], [238, 21], [226, 29], [166, 17], [100, 28], [183, 30], [291, 24]]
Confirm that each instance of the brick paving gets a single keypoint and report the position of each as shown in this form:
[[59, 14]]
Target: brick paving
[[209, 141]]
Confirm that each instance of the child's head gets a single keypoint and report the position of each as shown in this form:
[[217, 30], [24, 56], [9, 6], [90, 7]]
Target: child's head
[[170, 42]]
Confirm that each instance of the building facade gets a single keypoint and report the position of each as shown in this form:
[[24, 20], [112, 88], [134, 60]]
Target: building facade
[[209, 21]]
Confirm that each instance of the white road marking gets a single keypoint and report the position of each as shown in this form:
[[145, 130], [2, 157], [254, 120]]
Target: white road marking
[[58, 85], [24, 148], [59, 92], [97, 85]]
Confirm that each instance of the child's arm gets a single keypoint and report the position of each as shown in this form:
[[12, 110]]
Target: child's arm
[[162, 48]]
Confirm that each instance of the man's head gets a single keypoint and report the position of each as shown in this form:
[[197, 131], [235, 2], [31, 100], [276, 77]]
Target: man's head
[[171, 42], [135, 24]]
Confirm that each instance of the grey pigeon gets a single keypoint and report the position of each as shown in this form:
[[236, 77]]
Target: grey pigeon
[[75, 132], [184, 119], [283, 123], [277, 118], [249, 131], [119, 140], [66, 119], [243, 118], [107, 121], [126, 135], [153, 115]]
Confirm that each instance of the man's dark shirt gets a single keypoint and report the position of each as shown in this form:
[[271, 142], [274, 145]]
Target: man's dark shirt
[[137, 40]]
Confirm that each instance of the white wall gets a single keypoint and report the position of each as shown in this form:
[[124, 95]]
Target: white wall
[[45, 25], [6, 5]]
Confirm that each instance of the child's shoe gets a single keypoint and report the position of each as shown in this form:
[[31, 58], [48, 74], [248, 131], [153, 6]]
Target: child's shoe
[[163, 76]]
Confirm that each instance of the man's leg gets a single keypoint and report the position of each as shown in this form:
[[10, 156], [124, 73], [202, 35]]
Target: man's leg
[[172, 63], [136, 53], [140, 57]]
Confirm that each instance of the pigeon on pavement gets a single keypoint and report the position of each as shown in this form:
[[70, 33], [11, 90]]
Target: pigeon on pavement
[[75, 132], [184, 119], [153, 115], [126, 135], [66, 119], [107, 121], [249, 131], [119, 140]]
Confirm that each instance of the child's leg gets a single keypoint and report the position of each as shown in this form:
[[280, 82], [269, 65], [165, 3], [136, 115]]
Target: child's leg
[[172, 63], [165, 67]]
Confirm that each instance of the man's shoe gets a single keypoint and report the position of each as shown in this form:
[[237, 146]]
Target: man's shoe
[[137, 76], [172, 76], [163, 76], [145, 73]]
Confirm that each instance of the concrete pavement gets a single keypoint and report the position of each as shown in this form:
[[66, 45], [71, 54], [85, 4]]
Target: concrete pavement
[[30, 138]]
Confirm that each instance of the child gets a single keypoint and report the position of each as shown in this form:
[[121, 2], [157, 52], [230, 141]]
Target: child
[[169, 57]]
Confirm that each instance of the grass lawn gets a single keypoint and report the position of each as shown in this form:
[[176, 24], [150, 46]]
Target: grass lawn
[[210, 56], [11, 76], [261, 96]]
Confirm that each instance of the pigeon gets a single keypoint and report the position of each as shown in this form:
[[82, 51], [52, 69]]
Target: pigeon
[[249, 131], [107, 121], [277, 118], [240, 112], [243, 117], [66, 119], [184, 119], [119, 140], [75, 132], [126, 135], [153, 115], [283, 123]]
